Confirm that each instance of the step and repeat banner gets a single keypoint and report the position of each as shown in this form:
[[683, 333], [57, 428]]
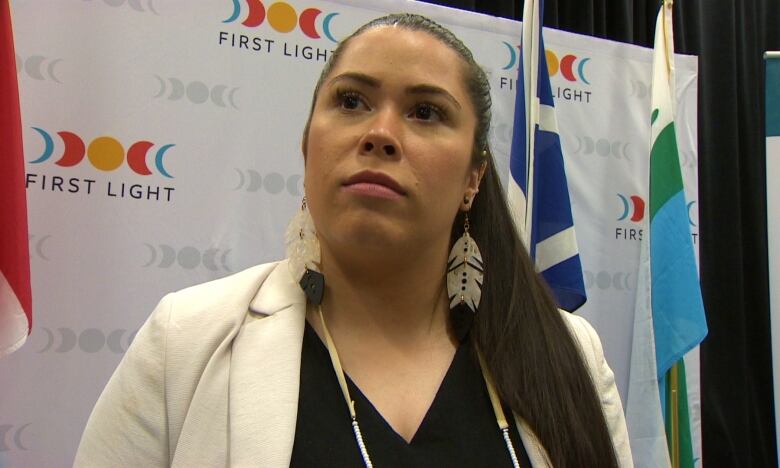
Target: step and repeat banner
[[162, 145]]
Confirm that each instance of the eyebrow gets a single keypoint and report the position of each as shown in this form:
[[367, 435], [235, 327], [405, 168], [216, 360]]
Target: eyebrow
[[372, 82]]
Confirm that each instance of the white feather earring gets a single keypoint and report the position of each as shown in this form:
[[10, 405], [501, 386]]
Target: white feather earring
[[465, 274], [303, 254]]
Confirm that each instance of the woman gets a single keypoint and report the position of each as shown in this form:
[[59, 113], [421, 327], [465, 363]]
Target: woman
[[382, 339]]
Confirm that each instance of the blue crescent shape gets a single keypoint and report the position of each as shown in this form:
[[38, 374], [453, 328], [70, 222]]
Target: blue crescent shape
[[512, 56], [48, 150], [158, 160], [625, 207], [581, 70], [326, 26], [690, 220], [236, 12]]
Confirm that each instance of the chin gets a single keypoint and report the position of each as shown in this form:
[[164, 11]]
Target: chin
[[369, 235]]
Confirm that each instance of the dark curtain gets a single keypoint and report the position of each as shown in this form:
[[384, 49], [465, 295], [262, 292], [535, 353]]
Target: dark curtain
[[729, 37]]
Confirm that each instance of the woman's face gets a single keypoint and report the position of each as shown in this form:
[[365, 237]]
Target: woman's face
[[388, 153]]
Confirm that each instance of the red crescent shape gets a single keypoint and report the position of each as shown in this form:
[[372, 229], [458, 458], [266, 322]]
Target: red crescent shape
[[566, 64], [639, 208], [256, 14], [306, 22], [74, 149], [136, 157]]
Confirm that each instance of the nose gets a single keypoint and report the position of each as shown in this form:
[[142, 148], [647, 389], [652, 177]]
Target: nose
[[387, 149], [381, 137]]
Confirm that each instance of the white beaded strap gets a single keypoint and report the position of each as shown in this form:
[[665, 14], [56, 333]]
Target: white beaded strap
[[498, 410], [334, 358]]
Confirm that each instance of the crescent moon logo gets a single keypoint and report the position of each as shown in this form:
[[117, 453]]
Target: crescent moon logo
[[590, 145], [639, 208], [48, 146], [114, 341], [236, 12], [74, 149], [5, 429], [33, 67], [49, 340], [153, 255], [690, 218], [626, 207], [218, 95], [581, 70], [158, 160], [50, 70], [326, 26], [161, 83], [209, 257], [566, 67], [255, 180], [136, 157], [223, 260], [177, 89], [306, 22], [241, 178], [169, 256], [68, 340], [39, 247], [256, 14], [512, 56], [18, 436]]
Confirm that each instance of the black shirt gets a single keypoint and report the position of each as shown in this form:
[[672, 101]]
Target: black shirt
[[459, 429]]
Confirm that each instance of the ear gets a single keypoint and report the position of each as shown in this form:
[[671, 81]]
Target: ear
[[475, 179]]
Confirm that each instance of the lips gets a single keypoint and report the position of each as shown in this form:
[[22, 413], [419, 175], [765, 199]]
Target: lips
[[374, 184]]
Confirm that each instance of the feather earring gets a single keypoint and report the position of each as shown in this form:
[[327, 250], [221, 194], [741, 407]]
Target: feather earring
[[465, 274], [303, 253]]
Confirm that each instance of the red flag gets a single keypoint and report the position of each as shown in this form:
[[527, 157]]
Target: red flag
[[15, 294]]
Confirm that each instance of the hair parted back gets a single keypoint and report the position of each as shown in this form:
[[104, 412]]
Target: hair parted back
[[536, 365]]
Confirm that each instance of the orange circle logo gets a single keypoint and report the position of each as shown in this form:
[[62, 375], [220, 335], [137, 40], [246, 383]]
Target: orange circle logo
[[106, 153], [282, 17]]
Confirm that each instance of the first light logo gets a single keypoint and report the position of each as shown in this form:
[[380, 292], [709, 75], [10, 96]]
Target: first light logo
[[106, 154], [283, 18], [571, 67]]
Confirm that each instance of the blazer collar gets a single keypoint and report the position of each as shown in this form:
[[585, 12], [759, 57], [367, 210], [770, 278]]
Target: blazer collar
[[278, 292], [265, 374]]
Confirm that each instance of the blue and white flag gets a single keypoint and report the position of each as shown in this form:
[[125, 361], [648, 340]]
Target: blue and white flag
[[538, 192]]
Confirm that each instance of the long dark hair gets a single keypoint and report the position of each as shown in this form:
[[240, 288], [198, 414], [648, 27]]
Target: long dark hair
[[536, 365]]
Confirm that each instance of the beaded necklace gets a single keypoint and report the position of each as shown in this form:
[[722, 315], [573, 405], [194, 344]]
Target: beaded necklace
[[494, 400]]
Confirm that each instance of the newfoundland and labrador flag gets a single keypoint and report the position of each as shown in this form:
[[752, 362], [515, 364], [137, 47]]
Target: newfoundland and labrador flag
[[669, 317], [15, 295], [538, 192]]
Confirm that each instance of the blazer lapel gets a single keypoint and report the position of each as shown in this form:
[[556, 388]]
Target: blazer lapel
[[265, 374]]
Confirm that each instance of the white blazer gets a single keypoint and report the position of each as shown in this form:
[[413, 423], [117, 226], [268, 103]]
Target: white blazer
[[212, 379]]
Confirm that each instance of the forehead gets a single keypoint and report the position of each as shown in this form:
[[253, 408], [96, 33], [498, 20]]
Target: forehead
[[396, 54]]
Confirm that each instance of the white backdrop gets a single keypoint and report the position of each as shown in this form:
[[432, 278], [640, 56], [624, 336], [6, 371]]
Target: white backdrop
[[118, 216]]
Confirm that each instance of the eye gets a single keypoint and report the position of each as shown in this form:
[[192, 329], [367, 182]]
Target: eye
[[349, 100], [427, 112]]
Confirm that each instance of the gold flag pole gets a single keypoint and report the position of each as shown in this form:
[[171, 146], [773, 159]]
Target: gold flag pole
[[674, 435]]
